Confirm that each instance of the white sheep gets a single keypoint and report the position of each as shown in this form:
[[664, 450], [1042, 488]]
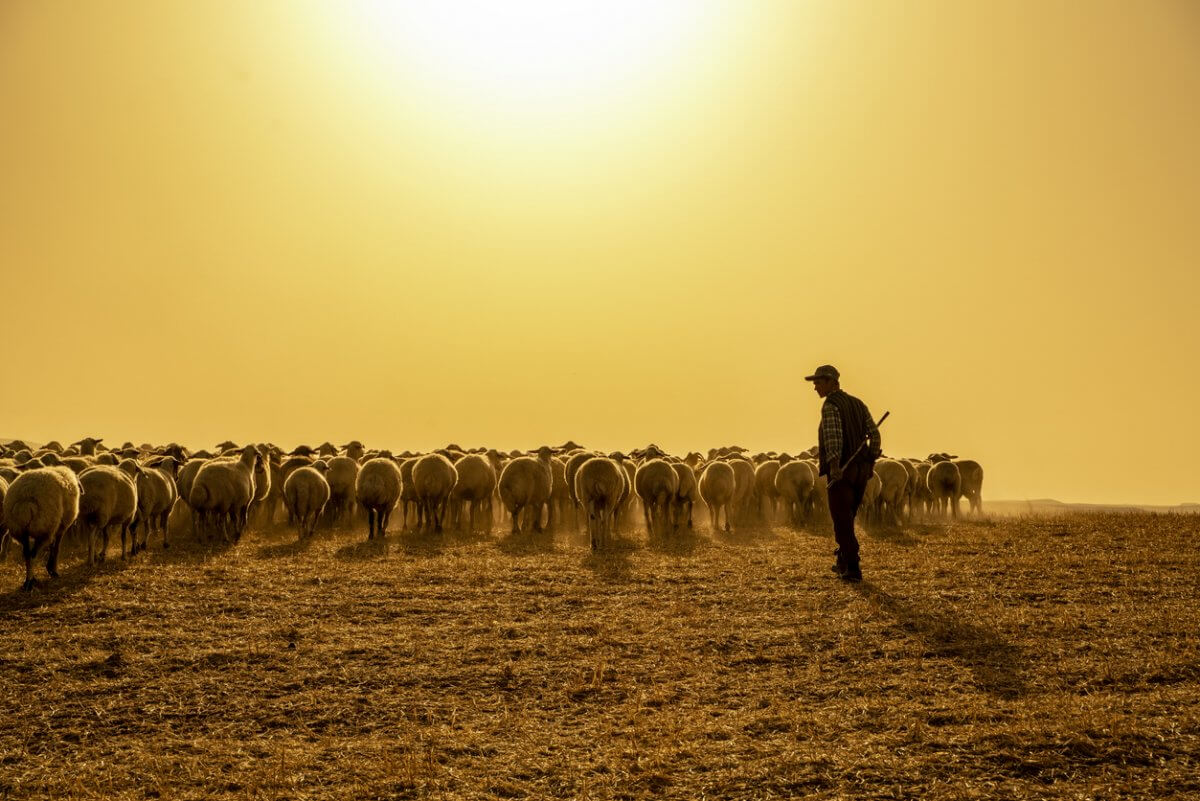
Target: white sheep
[[305, 493], [40, 505], [434, 478], [765, 492], [378, 489], [795, 483], [525, 484], [656, 483], [686, 495], [717, 484], [476, 483], [108, 498], [944, 485], [971, 484], [222, 492], [893, 488], [600, 486], [341, 475]]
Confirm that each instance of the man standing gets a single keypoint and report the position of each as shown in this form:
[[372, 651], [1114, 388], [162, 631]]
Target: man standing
[[845, 425]]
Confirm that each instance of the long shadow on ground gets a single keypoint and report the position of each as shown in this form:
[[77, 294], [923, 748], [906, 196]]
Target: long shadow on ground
[[998, 666]]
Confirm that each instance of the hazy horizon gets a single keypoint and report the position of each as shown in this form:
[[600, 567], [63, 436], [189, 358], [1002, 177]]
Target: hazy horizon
[[303, 221]]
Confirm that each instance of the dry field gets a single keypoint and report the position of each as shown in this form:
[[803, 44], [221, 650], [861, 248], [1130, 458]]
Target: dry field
[[1018, 658]]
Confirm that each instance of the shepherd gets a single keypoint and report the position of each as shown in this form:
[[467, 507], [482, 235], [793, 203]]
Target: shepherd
[[848, 444]]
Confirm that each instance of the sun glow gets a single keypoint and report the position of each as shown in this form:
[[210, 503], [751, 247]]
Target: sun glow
[[535, 57]]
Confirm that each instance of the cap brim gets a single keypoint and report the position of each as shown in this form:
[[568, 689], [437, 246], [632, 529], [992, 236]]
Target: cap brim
[[811, 377]]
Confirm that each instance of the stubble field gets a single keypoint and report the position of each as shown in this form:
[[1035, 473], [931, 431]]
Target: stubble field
[[1010, 658]]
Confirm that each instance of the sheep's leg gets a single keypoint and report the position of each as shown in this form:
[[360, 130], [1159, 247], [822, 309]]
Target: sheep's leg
[[29, 550], [91, 541], [52, 557]]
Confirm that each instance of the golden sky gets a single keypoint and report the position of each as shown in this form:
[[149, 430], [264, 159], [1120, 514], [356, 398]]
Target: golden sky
[[309, 220]]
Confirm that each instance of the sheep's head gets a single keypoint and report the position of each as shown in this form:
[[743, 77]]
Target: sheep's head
[[129, 467], [321, 466], [544, 453]]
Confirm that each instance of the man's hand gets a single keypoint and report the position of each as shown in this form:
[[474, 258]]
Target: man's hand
[[835, 472]]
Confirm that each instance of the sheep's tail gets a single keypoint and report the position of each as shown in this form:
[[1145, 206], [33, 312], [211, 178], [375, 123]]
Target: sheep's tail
[[22, 514], [199, 496]]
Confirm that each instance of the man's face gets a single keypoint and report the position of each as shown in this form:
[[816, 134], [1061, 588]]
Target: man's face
[[823, 386]]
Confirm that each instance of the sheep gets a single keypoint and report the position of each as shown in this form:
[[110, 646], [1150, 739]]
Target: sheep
[[866, 508], [377, 490], [764, 489], [156, 494], [910, 489], [795, 483], [526, 483], [354, 449], [108, 498], [893, 480], [262, 481], [560, 492], [944, 485], [686, 495], [971, 484], [476, 483], [305, 493], [600, 485], [570, 468], [222, 492], [743, 488], [39, 506], [656, 483], [921, 496], [87, 445], [717, 484], [434, 478], [408, 491], [341, 475]]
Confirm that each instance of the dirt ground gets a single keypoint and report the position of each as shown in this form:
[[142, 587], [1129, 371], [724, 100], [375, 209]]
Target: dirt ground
[[1012, 658]]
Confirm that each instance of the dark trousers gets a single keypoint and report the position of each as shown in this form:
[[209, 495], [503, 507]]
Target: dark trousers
[[845, 496]]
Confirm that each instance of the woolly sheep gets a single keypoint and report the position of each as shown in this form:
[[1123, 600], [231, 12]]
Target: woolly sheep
[[221, 494], [656, 483], [408, 491], [570, 468], [434, 478], [717, 484], [686, 494], [39, 506], [743, 488], [764, 489], [525, 484], [870, 495], [944, 485], [476, 483], [893, 487], [970, 484], [156, 494], [377, 490], [795, 483], [305, 493], [600, 486], [341, 475], [108, 499]]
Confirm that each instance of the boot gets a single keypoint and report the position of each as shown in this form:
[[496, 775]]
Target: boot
[[852, 572]]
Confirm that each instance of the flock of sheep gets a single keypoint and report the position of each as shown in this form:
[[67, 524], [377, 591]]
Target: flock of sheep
[[92, 491]]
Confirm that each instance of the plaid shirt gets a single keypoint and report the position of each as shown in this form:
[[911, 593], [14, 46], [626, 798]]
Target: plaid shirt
[[830, 431]]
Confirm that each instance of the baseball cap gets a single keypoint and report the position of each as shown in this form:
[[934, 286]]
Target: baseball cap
[[824, 371]]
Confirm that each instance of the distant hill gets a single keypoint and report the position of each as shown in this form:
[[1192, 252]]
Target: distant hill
[[1041, 506]]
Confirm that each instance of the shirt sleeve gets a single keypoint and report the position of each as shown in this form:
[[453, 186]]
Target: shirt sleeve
[[831, 432]]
